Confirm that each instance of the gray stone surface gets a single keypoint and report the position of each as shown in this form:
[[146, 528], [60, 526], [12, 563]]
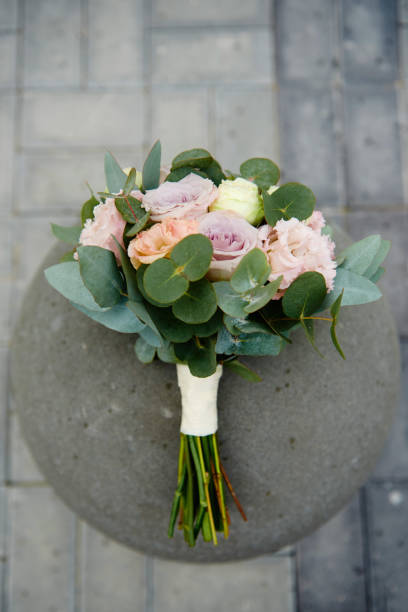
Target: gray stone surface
[[104, 428]]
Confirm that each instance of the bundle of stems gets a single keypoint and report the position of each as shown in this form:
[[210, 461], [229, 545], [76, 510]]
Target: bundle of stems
[[199, 500]]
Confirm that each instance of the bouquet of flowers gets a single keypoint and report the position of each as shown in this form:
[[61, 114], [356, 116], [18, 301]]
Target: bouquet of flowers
[[206, 266]]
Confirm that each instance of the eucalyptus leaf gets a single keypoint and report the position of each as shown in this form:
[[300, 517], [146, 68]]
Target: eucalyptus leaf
[[242, 370], [68, 256], [70, 235], [308, 327], [151, 167], [334, 311], [359, 256], [172, 329], [193, 256], [229, 301], [253, 270], [130, 182], [163, 283], [245, 326], [100, 274], [248, 344], [261, 171], [66, 279], [215, 172], [304, 296], [144, 351], [290, 200], [376, 277], [166, 353], [260, 296], [139, 225], [197, 158], [129, 273], [139, 309], [198, 304], [140, 274], [210, 327], [130, 208], [119, 318], [151, 337], [357, 290], [115, 177], [202, 361], [176, 175], [87, 211], [378, 259]]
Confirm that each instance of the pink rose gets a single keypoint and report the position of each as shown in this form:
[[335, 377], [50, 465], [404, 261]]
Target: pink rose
[[159, 240], [185, 199], [294, 247], [98, 231], [232, 237]]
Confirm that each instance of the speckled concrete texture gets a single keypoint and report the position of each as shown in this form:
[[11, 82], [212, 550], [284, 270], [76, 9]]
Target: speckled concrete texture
[[104, 428]]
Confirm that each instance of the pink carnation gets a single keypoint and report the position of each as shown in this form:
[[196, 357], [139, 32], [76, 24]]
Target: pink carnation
[[189, 198], [158, 241], [98, 231], [294, 247], [232, 237]]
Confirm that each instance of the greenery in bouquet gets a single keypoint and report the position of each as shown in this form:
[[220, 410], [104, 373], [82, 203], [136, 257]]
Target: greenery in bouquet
[[206, 267]]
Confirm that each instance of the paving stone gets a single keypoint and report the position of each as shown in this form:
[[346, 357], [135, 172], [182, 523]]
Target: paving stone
[[8, 14], [246, 125], [56, 183], [394, 460], [8, 59], [41, 552], [394, 227], [330, 565], [6, 148], [212, 55], [263, 585], [22, 467], [113, 577], [302, 26], [180, 119], [370, 41], [51, 43], [195, 12], [372, 147], [80, 119], [388, 508], [309, 150], [403, 11], [403, 47], [3, 433], [5, 293], [34, 241], [115, 42]]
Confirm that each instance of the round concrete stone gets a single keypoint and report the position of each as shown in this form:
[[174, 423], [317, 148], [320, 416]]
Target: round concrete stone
[[103, 428]]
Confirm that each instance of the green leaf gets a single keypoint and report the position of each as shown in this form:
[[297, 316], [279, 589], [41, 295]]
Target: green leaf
[[172, 329], [140, 274], [130, 208], [260, 296], [66, 279], [196, 158], [70, 235], [378, 259], [357, 290], [68, 256], [184, 350], [198, 304], [245, 326], [151, 337], [193, 256], [276, 319], [151, 167], [308, 327], [166, 353], [139, 225], [215, 173], [261, 171], [248, 344], [230, 302], [290, 200], [359, 256], [87, 209], [376, 277], [202, 362], [176, 175], [163, 283], [144, 351], [242, 370], [252, 270], [115, 177], [119, 318], [129, 273], [139, 309], [210, 327], [130, 181], [334, 311], [304, 296], [100, 274]]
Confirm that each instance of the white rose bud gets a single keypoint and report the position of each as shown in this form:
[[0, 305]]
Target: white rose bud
[[242, 197]]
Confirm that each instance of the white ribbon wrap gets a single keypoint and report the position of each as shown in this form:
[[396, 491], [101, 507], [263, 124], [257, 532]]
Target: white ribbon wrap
[[198, 402]]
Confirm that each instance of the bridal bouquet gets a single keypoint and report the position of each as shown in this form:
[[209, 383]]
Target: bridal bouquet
[[206, 266]]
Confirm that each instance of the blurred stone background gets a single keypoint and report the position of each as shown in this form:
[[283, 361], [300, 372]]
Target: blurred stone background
[[321, 87]]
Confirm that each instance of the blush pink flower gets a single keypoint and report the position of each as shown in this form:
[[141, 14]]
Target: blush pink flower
[[232, 237], [159, 240], [98, 231], [316, 221], [294, 247], [189, 198]]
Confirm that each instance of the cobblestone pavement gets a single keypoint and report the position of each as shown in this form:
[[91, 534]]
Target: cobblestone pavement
[[321, 87]]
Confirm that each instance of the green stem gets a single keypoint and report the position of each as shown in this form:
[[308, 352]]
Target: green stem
[[188, 523], [218, 484], [199, 473], [207, 479], [176, 501]]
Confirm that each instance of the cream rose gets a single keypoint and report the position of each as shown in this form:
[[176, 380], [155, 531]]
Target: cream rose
[[242, 197]]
